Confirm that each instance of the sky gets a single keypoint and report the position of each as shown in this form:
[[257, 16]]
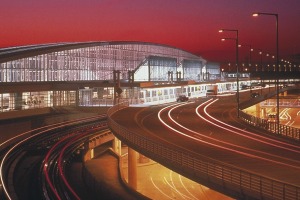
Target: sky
[[191, 25]]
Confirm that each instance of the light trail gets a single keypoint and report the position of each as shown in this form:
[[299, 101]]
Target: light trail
[[172, 186], [248, 132], [60, 165], [197, 133], [22, 140], [45, 168], [159, 189], [62, 152], [171, 178], [186, 189], [215, 145]]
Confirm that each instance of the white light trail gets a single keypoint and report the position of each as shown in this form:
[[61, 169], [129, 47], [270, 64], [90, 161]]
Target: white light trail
[[215, 145], [186, 189], [248, 132], [159, 189]]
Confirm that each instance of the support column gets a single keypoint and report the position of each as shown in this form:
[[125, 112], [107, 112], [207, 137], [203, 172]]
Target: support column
[[178, 76], [92, 154], [257, 110], [77, 98], [90, 151], [131, 76], [18, 101], [263, 113], [170, 76], [149, 70], [11, 101], [117, 146], [132, 168], [117, 87], [54, 96]]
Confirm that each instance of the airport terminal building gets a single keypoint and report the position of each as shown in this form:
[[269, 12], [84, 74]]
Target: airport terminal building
[[88, 74]]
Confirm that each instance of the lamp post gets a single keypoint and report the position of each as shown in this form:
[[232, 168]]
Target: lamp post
[[277, 63], [236, 39], [249, 64], [261, 66], [250, 51], [261, 55]]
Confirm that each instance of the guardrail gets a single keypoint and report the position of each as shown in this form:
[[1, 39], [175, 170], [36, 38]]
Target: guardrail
[[230, 180], [284, 130]]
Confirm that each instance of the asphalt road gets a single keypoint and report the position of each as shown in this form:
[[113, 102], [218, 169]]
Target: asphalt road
[[242, 149]]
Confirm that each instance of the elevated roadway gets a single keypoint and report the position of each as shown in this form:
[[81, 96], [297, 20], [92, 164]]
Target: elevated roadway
[[195, 128]]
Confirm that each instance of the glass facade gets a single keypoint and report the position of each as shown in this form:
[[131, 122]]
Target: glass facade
[[94, 63], [25, 100], [91, 62]]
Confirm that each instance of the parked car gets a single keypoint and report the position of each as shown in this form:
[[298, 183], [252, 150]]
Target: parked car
[[254, 94], [182, 98]]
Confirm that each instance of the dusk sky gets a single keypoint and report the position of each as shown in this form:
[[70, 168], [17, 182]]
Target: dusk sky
[[191, 25]]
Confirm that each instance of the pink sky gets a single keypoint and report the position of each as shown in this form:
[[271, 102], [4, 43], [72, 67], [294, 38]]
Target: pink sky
[[191, 25]]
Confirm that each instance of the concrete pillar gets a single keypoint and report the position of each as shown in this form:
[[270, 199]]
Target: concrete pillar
[[11, 101], [92, 154], [100, 93], [67, 95], [263, 113], [149, 70], [132, 168], [117, 86], [257, 110], [54, 96], [18, 101], [77, 98], [117, 146], [89, 155]]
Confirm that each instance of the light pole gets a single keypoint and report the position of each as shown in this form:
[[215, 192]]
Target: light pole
[[250, 51], [260, 52], [236, 63], [270, 66], [277, 64], [261, 66], [249, 64]]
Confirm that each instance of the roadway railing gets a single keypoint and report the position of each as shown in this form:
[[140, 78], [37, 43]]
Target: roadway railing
[[284, 130], [225, 178]]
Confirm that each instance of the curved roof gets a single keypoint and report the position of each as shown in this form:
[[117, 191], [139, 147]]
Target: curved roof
[[94, 61], [14, 53]]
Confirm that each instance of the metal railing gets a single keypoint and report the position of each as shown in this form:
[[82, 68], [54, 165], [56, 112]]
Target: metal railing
[[284, 130], [231, 180]]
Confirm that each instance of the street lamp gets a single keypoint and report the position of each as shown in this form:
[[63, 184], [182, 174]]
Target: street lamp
[[250, 51], [277, 62], [260, 52], [249, 64], [261, 55], [236, 39]]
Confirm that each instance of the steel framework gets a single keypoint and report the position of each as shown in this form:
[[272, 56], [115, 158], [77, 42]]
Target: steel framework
[[91, 61]]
